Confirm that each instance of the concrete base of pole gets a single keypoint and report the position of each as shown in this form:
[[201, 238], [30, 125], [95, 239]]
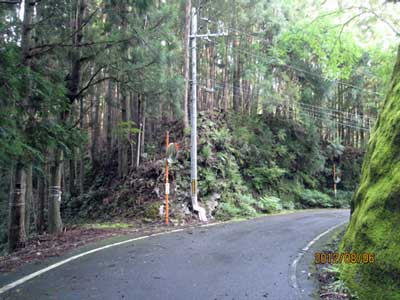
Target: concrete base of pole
[[202, 213]]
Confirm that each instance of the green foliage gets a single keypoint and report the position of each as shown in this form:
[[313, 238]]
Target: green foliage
[[206, 152], [28, 122], [342, 199], [208, 181], [221, 138], [267, 148], [375, 219], [313, 198], [127, 131], [269, 204], [264, 176], [335, 149], [108, 225], [227, 210], [246, 202], [236, 205], [151, 210]]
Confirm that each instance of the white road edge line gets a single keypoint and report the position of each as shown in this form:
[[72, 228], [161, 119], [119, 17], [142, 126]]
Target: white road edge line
[[63, 262], [293, 266], [26, 278]]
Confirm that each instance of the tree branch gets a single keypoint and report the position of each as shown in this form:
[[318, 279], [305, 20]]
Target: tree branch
[[89, 83], [367, 10], [10, 2]]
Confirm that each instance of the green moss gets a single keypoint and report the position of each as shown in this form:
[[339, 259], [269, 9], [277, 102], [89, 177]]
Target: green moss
[[375, 221], [151, 210], [108, 225]]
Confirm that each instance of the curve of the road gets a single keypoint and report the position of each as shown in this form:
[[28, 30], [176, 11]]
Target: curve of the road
[[241, 260]]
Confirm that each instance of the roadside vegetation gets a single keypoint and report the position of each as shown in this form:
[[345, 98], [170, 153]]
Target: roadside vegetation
[[288, 96], [375, 208], [247, 166]]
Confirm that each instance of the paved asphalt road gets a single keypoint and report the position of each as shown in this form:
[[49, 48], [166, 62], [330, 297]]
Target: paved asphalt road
[[242, 260]]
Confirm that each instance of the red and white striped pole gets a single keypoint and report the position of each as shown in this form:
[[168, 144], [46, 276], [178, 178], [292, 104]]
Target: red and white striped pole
[[166, 178]]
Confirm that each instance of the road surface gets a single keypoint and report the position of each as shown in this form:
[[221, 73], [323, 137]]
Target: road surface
[[241, 260]]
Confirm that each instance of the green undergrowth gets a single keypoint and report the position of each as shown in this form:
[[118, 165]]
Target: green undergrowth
[[275, 164], [262, 164], [108, 225], [247, 166], [375, 221]]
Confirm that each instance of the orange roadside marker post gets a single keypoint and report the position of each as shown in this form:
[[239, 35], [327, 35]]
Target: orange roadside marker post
[[334, 179], [171, 154], [166, 178]]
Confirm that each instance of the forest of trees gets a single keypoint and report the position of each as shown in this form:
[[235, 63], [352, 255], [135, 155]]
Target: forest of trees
[[85, 85]]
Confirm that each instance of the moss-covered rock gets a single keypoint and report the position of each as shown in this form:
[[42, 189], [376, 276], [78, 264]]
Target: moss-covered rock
[[375, 221]]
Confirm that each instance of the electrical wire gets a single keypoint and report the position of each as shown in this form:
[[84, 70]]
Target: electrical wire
[[345, 115], [353, 126], [293, 66]]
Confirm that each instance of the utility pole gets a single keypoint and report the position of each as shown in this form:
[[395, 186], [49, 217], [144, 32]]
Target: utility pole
[[193, 136], [193, 133]]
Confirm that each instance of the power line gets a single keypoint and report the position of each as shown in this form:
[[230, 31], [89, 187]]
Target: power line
[[348, 117], [337, 122], [293, 66], [310, 73], [334, 115], [354, 126]]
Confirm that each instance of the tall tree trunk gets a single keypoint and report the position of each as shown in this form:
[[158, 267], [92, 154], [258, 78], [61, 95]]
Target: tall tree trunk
[[143, 125], [71, 172], [226, 87], [139, 135], [16, 229], [28, 199], [43, 189], [236, 84], [96, 128], [81, 149], [186, 66], [134, 118], [237, 72], [123, 136], [17, 233], [122, 93], [42, 197], [55, 222], [213, 76], [109, 101]]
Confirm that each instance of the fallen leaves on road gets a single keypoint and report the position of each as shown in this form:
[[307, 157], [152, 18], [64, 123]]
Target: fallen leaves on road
[[44, 246]]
